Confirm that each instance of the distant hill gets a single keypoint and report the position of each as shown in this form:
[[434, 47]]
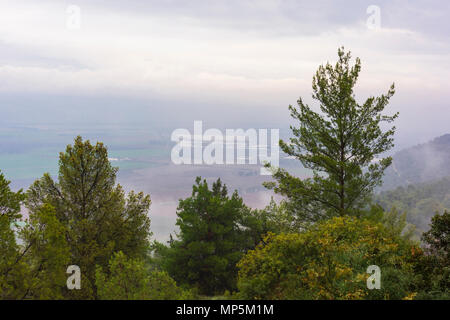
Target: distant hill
[[422, 163], [420, 201]]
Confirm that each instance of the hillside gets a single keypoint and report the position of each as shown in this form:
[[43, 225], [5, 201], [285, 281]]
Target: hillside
[[422, 163]]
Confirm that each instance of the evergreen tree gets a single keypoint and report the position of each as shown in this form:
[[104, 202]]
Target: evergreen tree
[[98, 218], [12, 266], [211, 240], [340, 145]]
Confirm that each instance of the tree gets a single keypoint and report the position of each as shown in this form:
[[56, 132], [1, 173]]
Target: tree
[[210, 241], [12, 267], [46, 254], [438, 237], [394, 221], [98, 218], [433, 267], [128, 279], [329, 261], [273, 218], [340, 145]]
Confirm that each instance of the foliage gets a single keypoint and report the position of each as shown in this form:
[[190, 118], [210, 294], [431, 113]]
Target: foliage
[[9, 201], [273, 218], [46, 253], [340, 146], [129, 279], [434, 265], [211, 241], [393, 220], [12, 268], [329, 261], [438, 237], [422, 163], [316, 244], [36, 268], [98, 218]]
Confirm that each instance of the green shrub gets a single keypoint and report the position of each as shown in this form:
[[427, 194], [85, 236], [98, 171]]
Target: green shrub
[[329, 261]]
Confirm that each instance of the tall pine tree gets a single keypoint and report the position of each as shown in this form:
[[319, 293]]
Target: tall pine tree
[[341, 145]]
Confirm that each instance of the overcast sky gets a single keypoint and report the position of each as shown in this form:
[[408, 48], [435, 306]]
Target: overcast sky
[[216, 61]]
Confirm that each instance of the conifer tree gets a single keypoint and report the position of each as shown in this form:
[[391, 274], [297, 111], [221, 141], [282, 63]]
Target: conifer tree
[[12, 266], [341, 145], [210, 241], [98, 217]]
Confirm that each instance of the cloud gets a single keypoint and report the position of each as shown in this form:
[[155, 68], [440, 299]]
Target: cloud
[[238, 53]]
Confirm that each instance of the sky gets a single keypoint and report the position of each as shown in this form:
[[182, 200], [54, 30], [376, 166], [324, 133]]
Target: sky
[[227, 63]]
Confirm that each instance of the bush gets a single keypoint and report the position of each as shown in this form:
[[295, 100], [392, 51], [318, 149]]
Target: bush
[[128, 279], [329, 261]]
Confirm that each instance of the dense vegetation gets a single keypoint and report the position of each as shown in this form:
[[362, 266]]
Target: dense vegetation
[[317, 243], [329, 261]]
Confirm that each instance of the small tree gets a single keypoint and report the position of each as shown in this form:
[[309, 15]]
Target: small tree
[[340, 146], [210, 240]]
